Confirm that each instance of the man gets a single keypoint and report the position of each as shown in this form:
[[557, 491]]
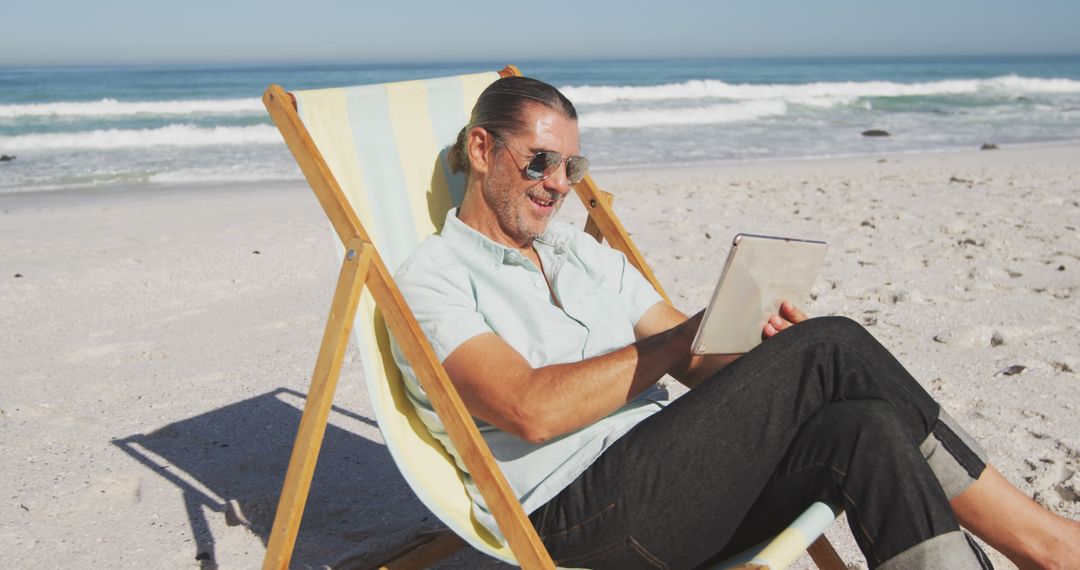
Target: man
[[555, 344]]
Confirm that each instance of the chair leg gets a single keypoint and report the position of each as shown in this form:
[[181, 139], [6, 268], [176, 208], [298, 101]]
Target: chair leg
[[824, 555], [305, 453]]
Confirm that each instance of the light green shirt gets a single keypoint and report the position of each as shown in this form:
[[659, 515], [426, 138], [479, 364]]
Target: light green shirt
[[460, 284]]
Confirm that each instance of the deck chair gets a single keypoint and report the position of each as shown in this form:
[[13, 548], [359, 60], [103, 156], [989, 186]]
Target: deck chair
[[375, 156]]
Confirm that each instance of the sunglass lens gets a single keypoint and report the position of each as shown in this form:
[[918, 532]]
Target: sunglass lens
[[576, 168], [544, 163], [537, 167]]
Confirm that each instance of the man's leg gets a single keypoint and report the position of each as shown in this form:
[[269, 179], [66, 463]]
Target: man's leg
[[1019, 528], [857, 455], [685, 478]]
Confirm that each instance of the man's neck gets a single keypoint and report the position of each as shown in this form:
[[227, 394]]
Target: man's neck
[[490, 228], [484, 221]]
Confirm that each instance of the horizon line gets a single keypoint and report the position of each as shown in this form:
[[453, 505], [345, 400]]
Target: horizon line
[[503, 61]]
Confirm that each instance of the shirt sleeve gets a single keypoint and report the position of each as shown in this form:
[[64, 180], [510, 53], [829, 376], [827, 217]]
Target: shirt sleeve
[[635, 292], [441, 298]]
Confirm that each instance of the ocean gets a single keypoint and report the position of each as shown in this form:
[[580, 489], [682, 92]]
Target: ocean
[[74, 127]]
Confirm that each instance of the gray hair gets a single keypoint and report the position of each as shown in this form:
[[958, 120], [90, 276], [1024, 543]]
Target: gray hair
[[500, 111]]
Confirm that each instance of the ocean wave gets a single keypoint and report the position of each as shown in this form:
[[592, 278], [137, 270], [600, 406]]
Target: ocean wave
[[170, 135], [114, 108], [712, 114], [715, 89], [209, 176]]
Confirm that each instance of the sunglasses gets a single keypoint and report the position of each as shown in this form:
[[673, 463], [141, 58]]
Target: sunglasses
[[543, 164]]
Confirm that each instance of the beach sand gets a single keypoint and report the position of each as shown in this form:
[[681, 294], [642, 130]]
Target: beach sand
[[157, 343]]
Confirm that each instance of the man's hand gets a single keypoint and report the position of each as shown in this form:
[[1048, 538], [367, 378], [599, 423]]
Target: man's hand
[[788, 315]]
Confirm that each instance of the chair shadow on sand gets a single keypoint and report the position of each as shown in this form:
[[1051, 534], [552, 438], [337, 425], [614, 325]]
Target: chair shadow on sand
[[230, 462]]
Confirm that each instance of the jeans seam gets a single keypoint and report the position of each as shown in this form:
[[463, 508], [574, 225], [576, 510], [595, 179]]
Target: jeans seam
[[606, 549], [866, 533], [644, 552], [848, 499], [566, 530]]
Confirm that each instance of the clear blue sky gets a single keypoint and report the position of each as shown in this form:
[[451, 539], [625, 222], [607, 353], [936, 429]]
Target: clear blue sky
[[34, 32]]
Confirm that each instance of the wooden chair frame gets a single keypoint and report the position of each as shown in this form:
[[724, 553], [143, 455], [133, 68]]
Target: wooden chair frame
[[363, 267]]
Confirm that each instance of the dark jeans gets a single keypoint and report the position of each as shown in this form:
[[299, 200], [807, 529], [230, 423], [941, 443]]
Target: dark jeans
[[820, 412]]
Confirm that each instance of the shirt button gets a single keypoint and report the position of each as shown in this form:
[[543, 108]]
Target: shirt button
[[538, 283]]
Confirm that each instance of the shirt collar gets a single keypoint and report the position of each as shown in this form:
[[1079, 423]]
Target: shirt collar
[[459, 233]]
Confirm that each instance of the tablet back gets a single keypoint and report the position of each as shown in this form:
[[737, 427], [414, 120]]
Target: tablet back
[[760, 273]]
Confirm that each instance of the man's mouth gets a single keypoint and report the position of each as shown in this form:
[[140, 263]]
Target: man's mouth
[[544, 202]]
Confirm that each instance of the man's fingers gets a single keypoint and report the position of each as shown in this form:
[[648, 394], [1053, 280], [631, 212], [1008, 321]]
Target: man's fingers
[[769, 330], [777, 324], [789, 315], [780, 322], [792, 313]]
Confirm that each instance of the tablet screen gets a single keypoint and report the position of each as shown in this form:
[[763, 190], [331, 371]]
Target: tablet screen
[[760, 273]]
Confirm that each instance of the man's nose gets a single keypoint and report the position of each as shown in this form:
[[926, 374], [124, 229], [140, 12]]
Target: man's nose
[[558, 181]]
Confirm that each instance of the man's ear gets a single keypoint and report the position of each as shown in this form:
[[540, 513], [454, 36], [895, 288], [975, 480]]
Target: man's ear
[[480, 147]]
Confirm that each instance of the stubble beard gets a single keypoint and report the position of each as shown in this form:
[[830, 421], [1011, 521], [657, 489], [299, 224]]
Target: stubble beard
[[512, 207]]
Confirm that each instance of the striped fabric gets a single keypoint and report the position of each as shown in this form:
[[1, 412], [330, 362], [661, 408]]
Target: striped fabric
[[386, 147]]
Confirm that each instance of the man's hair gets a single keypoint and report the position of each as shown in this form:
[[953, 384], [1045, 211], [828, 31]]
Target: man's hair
[[500, 111]]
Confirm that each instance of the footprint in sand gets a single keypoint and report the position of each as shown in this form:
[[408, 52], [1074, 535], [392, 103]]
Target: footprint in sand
[[975, 337], [1056, 483]]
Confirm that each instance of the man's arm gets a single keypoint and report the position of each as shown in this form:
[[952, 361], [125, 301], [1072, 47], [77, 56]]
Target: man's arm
[[693, 369], [499, 386], [697, 368]]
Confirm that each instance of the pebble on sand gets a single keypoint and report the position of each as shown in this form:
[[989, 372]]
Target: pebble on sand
[[1011, 370]]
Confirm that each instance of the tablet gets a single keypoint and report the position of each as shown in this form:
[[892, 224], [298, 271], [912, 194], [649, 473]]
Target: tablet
[[760, 273]]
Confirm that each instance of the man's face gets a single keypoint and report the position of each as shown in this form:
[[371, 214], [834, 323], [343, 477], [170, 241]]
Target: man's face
[[524, 207]]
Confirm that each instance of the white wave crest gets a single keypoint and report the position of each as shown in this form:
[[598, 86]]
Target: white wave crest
[[171, 135], [710, 88], [114, 108], [221, 176], [712, 114], [1020, 85]]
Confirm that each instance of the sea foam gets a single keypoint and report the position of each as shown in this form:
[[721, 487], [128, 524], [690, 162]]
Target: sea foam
[[715, 89], [113, 108], [169, 135], [711, 114]]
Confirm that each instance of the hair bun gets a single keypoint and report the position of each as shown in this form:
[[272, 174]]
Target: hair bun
[[457, 156]]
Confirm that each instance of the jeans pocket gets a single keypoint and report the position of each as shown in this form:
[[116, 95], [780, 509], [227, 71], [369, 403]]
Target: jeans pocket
[[554, 526], [623, 554]]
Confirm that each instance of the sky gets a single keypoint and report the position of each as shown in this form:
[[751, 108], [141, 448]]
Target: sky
[[81, 32]]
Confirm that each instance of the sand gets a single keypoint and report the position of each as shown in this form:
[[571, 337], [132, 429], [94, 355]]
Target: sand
[[157, 342]]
